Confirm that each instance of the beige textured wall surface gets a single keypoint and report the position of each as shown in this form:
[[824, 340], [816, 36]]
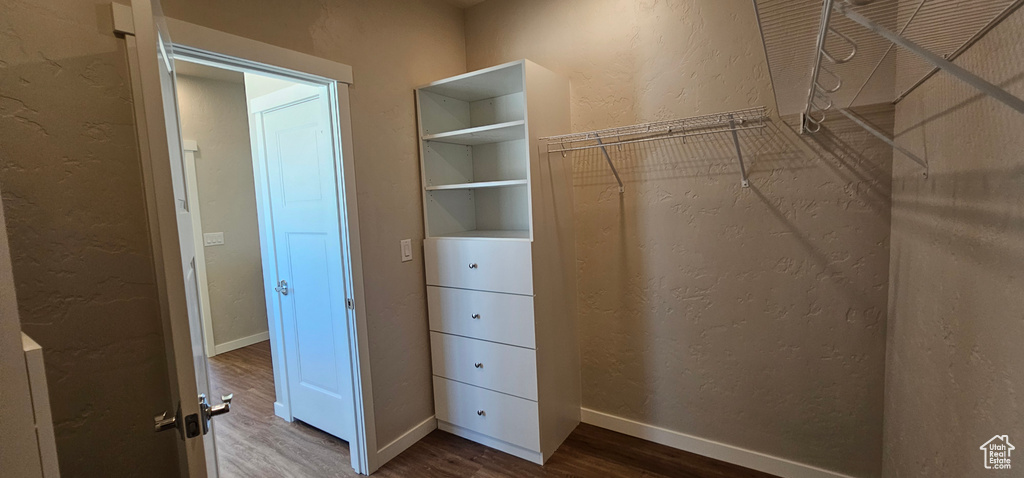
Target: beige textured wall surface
[[214, 114], [72, 193], [392, 46], [955, 364], [752, 317]]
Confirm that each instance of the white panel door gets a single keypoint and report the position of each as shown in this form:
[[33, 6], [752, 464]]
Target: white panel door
[[307, 244]]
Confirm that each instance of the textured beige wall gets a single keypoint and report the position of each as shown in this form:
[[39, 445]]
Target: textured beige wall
[[752, 317], [392, 46], [214, 113], [955, 364], [72, 192]]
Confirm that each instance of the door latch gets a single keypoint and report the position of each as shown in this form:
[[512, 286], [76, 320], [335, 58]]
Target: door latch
[[282, 287]]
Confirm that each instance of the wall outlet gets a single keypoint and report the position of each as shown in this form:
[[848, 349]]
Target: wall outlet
[[213, 239], [406, 250]]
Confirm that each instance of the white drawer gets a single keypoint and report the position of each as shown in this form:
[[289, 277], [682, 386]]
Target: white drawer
[[498, 367], [491, 265], [505, 318], [504, 417]]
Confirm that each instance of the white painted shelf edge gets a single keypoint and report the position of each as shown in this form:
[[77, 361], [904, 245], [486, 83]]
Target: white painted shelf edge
[[487, 234], [477, 185], [492, 133]]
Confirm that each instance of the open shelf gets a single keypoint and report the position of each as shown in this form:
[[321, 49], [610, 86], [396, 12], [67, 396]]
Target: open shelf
[[475, 155], [488, 234], [478, 185], [491, 82], [492, 133]]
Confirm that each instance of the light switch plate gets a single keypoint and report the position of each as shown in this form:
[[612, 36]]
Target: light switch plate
[[406, 250], [213, 239]]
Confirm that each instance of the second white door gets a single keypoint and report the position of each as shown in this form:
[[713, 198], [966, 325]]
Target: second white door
[[302, 186]]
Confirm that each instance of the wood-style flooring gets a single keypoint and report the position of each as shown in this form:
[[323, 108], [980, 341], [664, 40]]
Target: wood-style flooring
[[253, 442]]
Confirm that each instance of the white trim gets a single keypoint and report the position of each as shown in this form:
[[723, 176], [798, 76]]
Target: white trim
[[408, 439], [358, 329], [242, 342], [255, 55], [283, 412], [191, 146], [712, 449], [514, 450], [41, 407], [121, 16]]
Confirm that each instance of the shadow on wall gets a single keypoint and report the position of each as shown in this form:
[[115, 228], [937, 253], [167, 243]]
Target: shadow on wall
[[750, 316], [919, 125], [967, 208]]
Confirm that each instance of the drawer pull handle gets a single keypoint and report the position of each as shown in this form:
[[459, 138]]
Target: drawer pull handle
[[481, 412], [478, 365], [472, 265], [476, 316]]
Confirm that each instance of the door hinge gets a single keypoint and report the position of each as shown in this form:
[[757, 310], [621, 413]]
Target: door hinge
[[351, 304]]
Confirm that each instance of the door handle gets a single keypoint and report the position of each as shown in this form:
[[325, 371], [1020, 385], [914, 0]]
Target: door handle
[[207, 411], [224, 407], [163, 423], [282, 287]]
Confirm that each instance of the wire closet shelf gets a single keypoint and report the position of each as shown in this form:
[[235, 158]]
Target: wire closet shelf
[[844, 52], [731, 123]]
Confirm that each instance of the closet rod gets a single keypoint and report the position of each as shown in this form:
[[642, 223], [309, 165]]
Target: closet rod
[[878, 134], [658, 138], [730, 122]]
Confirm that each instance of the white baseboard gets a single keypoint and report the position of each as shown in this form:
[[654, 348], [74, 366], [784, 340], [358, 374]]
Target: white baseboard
[[239, 343], [281, 411], [514, 450], [405, 441], [719, 451]]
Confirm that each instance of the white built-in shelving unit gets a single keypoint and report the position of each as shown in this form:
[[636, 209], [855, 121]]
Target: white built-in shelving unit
[[499, 257]]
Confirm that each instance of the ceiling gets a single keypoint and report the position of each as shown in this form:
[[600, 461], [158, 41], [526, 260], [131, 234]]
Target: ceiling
[[464, 3]]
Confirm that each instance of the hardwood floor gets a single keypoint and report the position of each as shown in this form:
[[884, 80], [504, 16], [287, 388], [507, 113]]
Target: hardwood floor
[[253, 442]]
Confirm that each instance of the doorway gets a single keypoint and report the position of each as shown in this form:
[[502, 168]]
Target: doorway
[[152, 55], [261, 173]]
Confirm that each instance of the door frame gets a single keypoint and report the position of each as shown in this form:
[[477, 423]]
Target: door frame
[[192, 188], [204, 45]]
